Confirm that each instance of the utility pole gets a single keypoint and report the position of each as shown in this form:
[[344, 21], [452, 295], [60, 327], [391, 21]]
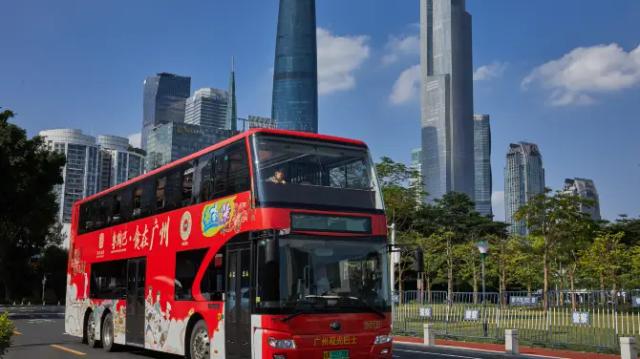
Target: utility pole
[[392, 269], [44, 283]]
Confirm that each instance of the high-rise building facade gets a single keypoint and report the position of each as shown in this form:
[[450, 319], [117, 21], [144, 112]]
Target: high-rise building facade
[[482, 166], [173, 141], [163, 101], [118, 161], [586, 189], [446, 97], [295, 76], [523, 179], [80, 173], [416, 165], [232, 106], [208, 107]]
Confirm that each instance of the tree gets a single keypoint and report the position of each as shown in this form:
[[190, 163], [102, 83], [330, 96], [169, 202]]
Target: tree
[[607, 258], [504, 254], [551, 219], [432, 247], [27, 202], [401, 197]]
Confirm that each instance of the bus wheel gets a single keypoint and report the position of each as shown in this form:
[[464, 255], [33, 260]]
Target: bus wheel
[[91, 331], [199, 341], [106, 334]]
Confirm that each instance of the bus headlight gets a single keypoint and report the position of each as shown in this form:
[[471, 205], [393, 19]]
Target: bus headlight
[[281, 343], [382, 339]]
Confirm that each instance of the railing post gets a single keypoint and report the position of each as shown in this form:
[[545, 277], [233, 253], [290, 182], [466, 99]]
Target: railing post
[[429, 335], [511, 341], [628, 348]]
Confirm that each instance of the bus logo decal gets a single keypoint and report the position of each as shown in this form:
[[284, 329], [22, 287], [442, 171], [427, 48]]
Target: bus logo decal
[[185, 225], [216, 215]]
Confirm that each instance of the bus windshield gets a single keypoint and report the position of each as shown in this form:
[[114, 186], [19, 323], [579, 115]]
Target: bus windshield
[[294, 172], [323, 275]]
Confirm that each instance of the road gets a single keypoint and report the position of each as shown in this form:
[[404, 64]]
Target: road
[[38, 337]]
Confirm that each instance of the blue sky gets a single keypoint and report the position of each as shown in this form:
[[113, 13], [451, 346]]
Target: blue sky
[[562, 74]]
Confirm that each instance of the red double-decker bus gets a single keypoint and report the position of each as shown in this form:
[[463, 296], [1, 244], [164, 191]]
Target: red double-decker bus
[[271, 244]]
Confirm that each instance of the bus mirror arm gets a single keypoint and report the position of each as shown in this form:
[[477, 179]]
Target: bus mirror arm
[[415, 252]]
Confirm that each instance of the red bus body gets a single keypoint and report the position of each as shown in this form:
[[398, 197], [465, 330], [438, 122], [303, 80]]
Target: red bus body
[[147, 249]]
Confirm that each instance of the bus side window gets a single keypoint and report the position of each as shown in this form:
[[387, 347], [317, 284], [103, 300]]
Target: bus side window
[[148, 197], [137, 202], [161, 184], [187, 265], [203, 178], [173, 189], [104, 211], [108, 280], [187, 183], [116, 209], [212, 285], [125, 205]]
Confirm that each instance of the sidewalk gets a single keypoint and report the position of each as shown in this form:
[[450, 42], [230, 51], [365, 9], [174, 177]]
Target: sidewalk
[[499, 348], [33, 311]]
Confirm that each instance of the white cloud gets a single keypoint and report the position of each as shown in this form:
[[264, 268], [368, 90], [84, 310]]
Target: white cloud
[[488, 72], [576, 77], [407, 86], [338, 58], [135, 139], [497, 204], [398, 47]]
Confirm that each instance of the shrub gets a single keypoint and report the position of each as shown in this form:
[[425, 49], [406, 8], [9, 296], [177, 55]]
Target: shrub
[[6, 331]]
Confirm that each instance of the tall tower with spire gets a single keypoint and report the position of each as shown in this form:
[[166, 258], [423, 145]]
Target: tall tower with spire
[[295, 75], [232, 110]]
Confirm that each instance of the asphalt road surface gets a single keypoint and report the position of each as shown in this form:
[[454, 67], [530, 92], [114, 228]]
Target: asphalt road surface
[[43, 338]]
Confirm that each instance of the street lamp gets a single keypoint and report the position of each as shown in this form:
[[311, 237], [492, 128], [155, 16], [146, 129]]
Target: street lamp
[[483, 248]]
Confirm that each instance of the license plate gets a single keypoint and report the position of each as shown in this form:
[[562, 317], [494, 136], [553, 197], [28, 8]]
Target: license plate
[[336, 354]]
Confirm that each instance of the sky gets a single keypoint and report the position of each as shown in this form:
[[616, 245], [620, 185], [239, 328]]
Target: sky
[[562, 74]]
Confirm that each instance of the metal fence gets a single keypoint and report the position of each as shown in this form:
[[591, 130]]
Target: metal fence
[[580, 320]]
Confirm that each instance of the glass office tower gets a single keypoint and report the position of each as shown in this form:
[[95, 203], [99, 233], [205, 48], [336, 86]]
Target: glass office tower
[[163, 102], [482, 168], [586, 189], [208, 107], [523, 179], [295, 76], [447, 98]]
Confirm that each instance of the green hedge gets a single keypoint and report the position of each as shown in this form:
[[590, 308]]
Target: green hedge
[[6, 331]]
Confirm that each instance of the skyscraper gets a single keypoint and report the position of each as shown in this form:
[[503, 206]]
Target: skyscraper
[[586, 189], [208, 107], [416, 164], [173, 141], [295, 75], [164, 101], [232, 110], [118, 161], [447, 97], [91, 166], [482, 167], [523, 179], [80, 173]]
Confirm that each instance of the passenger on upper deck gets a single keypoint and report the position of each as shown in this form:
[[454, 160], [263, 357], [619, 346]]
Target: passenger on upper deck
[[278, 177]]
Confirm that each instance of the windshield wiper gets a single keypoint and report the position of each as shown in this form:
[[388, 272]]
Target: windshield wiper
[[299, 311], [367, 306]]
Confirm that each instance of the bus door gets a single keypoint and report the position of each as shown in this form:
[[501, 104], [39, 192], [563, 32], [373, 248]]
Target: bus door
[[238, 302], [136, 275]]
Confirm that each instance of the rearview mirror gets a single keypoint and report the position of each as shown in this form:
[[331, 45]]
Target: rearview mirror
[[270, 250]]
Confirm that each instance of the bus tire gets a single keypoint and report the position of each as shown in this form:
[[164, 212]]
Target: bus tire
[[199, 345], [91, 331], [106, 334]]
